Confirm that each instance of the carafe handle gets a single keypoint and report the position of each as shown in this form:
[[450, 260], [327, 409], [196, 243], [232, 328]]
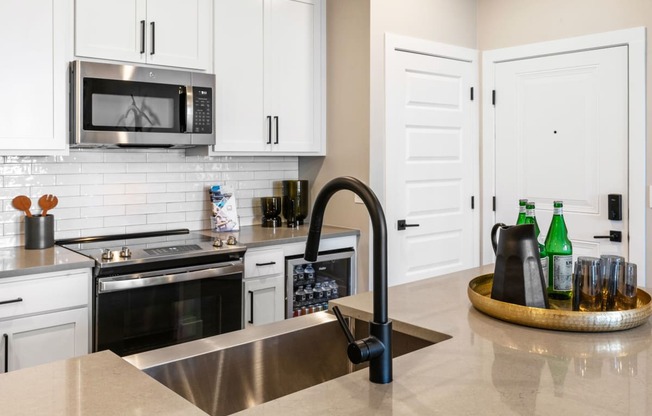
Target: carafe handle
[[494, 230]]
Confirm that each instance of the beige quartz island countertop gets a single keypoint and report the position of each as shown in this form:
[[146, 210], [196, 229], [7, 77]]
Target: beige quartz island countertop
[[487, 367]]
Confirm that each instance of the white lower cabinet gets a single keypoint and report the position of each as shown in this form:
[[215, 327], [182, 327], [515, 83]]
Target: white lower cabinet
[[44, 338], [264, 286], [264, 300], [44, 318]]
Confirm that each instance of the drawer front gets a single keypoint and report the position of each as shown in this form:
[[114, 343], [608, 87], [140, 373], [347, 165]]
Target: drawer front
[[45, 292], [264, 263]]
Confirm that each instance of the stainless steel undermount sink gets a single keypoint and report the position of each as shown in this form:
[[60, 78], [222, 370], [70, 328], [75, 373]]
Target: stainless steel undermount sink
[[231, 372]]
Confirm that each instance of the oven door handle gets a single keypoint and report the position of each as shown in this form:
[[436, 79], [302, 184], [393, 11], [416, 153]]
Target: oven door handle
[[114, 284]]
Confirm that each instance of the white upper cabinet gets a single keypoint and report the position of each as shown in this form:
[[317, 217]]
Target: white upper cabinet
[[269, 65], [161, 32], [33, 107]]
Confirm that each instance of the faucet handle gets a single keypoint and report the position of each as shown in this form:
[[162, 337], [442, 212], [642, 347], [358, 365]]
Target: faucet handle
[[362, 350], [345, 327]]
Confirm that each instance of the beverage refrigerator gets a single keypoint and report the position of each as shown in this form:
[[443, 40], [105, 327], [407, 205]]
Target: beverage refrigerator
[[310, 285]]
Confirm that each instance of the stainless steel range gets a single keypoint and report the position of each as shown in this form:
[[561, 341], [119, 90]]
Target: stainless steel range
[[157, 289]]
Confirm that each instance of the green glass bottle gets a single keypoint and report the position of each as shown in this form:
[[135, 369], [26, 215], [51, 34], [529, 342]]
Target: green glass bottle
[[560, 256], [522, 203], [530, 218]]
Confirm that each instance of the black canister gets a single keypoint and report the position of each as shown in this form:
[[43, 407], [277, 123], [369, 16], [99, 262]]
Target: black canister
[[295, 201], [39, 232]]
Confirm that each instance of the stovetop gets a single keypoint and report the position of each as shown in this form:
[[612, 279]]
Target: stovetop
[[153, 249]]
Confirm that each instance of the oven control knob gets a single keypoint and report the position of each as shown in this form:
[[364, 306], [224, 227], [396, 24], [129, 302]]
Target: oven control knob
[[218, 243], [125, 252], [107, 254], [231, 240]]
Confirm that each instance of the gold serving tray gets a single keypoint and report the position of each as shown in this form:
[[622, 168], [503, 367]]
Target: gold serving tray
[[556, 317]]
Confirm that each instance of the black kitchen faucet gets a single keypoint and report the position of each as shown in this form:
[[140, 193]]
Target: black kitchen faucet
[[377, 347]]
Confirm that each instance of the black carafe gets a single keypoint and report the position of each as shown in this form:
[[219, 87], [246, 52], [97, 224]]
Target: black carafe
[[518, 275]]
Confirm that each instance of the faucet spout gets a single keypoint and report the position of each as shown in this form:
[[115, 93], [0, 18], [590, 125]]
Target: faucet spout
[[379, 342]]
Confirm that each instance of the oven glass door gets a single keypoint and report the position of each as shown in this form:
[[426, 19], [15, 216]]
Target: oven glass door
[[114, 105], [146, 318]]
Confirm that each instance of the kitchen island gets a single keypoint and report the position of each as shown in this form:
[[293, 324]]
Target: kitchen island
[[486, 367]]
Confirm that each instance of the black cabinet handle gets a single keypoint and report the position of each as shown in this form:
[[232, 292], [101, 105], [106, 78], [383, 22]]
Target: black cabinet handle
[[153, 25], [402, 225], [6, 338], [269, 129], [269, 263], [276, 121], [251, 307], [4, 302], [142, 36]]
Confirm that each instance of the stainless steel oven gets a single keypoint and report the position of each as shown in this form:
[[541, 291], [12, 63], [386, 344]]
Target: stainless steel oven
[[155, 291]]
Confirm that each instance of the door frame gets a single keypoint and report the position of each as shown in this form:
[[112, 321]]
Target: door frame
[[635, 40], [377, 171]]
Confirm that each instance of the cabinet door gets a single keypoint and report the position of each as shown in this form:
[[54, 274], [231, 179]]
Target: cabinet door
[[114, 29], [241, 125], [264, 300], [293, 47], [34, 70], [179, 33], [44, 338]]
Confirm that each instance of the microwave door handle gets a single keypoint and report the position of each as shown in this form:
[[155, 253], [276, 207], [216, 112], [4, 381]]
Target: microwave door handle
[[190, 110]]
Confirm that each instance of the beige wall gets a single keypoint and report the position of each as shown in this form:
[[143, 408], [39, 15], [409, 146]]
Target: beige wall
[[347, 26], [505, 23]]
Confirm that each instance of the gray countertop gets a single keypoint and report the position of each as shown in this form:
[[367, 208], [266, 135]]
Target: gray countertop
[[17, 261], [487, 367], [257, 236]]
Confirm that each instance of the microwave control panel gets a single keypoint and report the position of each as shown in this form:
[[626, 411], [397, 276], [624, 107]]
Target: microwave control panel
[[202, 120]]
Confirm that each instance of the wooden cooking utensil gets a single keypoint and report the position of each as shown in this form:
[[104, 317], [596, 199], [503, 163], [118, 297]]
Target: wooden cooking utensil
[[47, 202], [22, 203]]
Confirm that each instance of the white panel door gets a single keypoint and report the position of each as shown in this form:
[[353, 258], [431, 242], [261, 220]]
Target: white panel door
[[431, 166], [562, 134], [264, 300]]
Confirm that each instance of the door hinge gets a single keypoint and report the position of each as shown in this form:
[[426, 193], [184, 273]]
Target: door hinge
[[471, 93], [473, 202], [494, 203], [493, 97]]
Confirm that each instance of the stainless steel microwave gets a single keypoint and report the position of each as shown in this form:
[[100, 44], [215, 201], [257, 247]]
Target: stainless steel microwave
[[132, 106]]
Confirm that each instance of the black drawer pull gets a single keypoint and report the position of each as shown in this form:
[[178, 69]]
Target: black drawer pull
[[4, 302], [6, 338], [251, 307], [269, 263]]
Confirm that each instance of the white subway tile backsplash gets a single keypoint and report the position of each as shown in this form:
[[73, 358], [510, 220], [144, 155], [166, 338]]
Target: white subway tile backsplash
[[146, 167], [104, 211], [165, 197], [99, 189], [145, 209], [132, 190], [84, 179], [29, 180], [125, 177], [125, 220]]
